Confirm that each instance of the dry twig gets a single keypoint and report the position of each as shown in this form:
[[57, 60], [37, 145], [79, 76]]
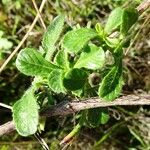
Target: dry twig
[[70, 107]]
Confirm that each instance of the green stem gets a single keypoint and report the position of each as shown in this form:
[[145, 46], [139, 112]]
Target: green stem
[[69, 137]]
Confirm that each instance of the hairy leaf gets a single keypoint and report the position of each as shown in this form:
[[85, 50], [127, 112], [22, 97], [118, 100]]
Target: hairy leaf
[[55, 81], [74, 79], [31, 62], [52, 34], [75, 40], [61, 59], [129, 17], [92, 57], [114, 20], [25, 114], [111, 84]]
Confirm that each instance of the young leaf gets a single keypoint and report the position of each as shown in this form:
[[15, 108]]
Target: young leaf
[[52, 34], [74, 79], [92, 57], [25, 114], [75, 40], [112, 83], [55, 80], [31, 62], [61, 59], [114, 20], [129, 17]]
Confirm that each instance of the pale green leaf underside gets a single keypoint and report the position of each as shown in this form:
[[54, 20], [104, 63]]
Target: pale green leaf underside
[[114, 20], [52, 34], [25, 114], [92, 57], [55, 81], [31, 62], [75, 40], [111, 85]]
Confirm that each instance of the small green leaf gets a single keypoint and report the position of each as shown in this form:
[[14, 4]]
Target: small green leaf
[[94, 117], [129, 17], [112, 42], [61, 59], [114, 20], [92, 57], [25, 114], [111, 84], [99, 29], [51, 35], [97, 116], [31, 62], [74, 79], [55, 81], [75, 40]]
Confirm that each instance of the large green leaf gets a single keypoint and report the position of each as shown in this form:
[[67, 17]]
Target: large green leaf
[[25, 114], [55, 81], [75, 40], [74, 79], [52, 34], [92, 57], [129, 17], [114, 20], [31, 62], [61, 59], [111, 84]]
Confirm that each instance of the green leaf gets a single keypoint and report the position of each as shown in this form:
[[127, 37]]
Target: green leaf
[[129, 17], [97, 116], [92, 57], [31, 62], [100, 30], [94, 117], [111, 84], [75, 40], [114, 20], [74, 79], [55, 81], [52, 34], [25, 114], [61, 59]]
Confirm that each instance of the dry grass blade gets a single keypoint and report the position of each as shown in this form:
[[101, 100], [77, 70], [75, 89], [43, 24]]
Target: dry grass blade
[[24, 38]]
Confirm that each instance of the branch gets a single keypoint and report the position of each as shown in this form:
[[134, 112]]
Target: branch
[[69, 107], [143, 6]]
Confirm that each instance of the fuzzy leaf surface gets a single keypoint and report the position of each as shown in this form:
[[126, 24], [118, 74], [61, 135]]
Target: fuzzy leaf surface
[[114, 20], [30, 62], [61, 59], [25, 114], [75, 40], [52, 34], [55, 81], [92, 57], [111, 84]]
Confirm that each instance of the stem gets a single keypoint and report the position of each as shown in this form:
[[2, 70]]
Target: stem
[[5, 106], [70, 136]]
